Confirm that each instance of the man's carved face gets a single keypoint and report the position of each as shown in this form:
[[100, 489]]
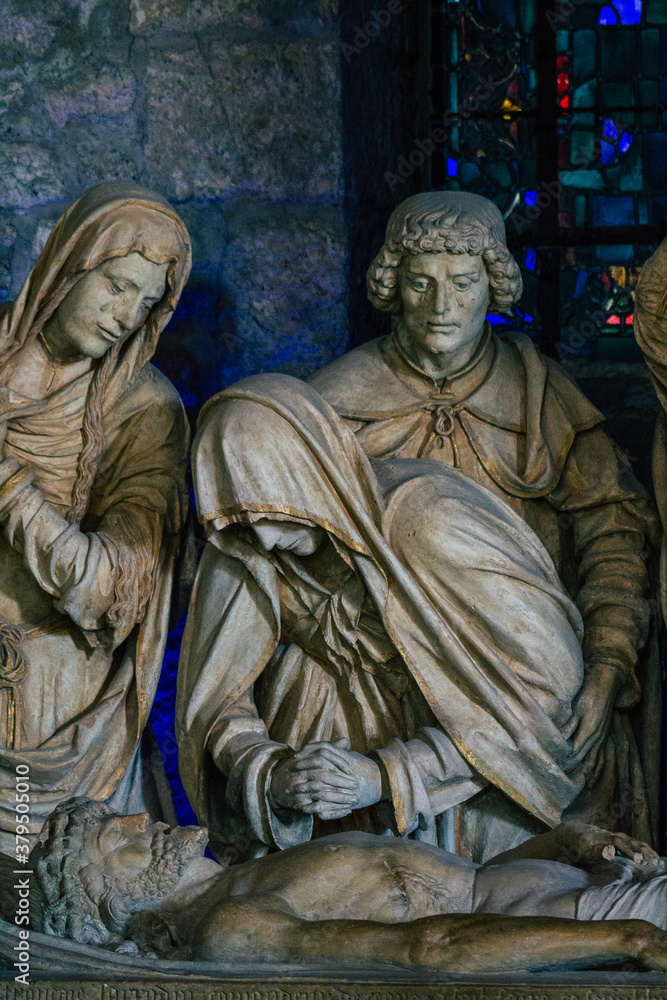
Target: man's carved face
[[139, 857], [106, 306], [445, 301]]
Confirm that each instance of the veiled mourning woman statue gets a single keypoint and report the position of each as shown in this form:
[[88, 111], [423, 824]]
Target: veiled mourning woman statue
[[94, 446], [368, 642]]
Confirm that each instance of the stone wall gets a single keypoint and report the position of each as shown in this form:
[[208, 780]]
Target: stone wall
[[229, 108]]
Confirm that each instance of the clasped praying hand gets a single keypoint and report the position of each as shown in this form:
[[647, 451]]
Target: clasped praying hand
[[327, 780]]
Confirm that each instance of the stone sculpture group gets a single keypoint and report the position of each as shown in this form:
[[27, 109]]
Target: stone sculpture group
[[422, 612]]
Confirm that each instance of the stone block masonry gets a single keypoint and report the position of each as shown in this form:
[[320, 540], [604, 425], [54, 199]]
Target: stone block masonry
[[229, 108]]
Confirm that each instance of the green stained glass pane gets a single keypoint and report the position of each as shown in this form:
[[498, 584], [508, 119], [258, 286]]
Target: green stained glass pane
[[582, 147], [648, 92], [648, 119], [527, 11], [584, 96], [580, 205], [616, 94], [583, 56], [650, 51], [591, 180], [529, 175], [627, 176], [618, 54], [655, 12], [499, 172], [582, 120]]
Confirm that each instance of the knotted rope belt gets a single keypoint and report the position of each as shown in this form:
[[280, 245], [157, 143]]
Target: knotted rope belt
[[13, 667]]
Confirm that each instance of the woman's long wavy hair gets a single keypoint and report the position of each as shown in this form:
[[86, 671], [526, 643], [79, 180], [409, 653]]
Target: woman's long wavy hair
[[93, 435]]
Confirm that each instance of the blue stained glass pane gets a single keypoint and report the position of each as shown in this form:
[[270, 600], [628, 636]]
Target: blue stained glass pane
[[524, 316], [607, 153], [608, 16], [629, 10], [530, 258], [610, 211], [580, 287], [626, 142], [531, 198], [495, 319], [469, 173], [609, 130], [623, 254], [657, 161], [452, 167]]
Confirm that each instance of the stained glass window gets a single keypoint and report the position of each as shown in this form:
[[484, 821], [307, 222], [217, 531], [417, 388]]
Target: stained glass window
[[561, 123]]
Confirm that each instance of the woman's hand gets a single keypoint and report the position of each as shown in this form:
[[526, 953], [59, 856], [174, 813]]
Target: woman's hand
[[591, 719], [326, 779], [299, 788]]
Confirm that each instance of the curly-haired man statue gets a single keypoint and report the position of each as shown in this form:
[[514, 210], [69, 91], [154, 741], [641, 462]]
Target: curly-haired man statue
[[128, 885], [442, 386]]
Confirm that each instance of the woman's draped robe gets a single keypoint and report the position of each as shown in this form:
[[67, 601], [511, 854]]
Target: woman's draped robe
[[84, 611], [430, 629]]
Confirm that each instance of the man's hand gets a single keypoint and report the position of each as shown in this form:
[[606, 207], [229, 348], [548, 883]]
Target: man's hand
[[591, 849], [591, 719], [602, 852]]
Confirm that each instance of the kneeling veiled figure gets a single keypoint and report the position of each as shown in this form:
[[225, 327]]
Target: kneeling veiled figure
[[93, 446], [368, 642], [349, 899]]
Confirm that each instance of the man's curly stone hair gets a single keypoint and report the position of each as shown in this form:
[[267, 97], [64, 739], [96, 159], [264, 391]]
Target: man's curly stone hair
[[80, 903], [445, 222]]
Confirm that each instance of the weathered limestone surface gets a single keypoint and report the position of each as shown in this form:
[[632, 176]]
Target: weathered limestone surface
[[231, 109]]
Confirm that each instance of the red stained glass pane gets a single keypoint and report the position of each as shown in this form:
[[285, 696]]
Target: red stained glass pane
[[563, 81], [606, 280], [630, 319], [562, 152], [514, 130], [615, 320], [562, 62], [565, 101]]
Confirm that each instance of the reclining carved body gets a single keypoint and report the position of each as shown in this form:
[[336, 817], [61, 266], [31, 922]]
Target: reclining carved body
[[120, 881]]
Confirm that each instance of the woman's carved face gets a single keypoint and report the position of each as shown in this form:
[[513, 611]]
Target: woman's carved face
[[288, 535], [106, 306]]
